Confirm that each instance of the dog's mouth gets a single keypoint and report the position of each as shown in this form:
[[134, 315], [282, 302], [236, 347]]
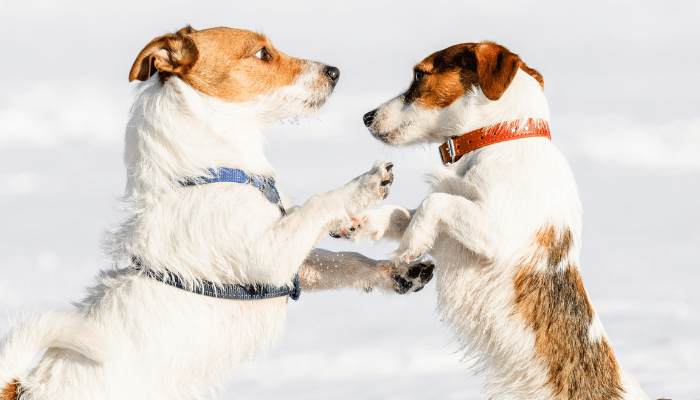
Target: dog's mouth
[[308, 103], [320, 96], [315, 105], [389, 137]]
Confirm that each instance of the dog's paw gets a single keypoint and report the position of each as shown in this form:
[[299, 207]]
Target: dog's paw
[[411, 248], [412, 277], [371, 223], [385, 177], [416, 241], [377, 182], [345, 229], [371, 188], [410, 251]]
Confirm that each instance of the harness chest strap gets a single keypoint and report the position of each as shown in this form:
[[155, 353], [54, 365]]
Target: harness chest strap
[[264, 184], [226, 290], [456, 147]]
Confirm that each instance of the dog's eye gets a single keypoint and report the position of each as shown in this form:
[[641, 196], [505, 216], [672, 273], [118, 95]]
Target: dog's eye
[[263, 54], [418, 75]]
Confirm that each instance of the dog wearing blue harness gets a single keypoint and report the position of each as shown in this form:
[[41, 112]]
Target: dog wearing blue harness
[[210, 251]]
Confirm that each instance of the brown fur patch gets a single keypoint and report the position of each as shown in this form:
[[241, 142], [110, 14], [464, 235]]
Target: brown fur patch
[[556, 246], [448, 74], [219, 62], [533, 73], [172, 54], [10, 391], [555, 306], [228, 70], [496, 68], [445, 78]]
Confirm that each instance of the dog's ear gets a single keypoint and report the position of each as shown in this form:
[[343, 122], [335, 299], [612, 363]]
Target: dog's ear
[[496, 68], [533, 73], [169, 54], [187, 30]]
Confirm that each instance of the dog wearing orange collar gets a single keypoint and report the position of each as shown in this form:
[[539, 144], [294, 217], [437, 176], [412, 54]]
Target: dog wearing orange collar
[[503, 225]]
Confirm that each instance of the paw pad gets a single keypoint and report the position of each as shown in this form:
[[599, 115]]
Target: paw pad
[[414, 279]]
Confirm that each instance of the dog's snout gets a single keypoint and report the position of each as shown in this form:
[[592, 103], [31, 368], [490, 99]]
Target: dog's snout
[[369, 118], [332, 73]]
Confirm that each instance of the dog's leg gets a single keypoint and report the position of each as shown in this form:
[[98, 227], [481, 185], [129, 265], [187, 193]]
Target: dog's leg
[[463, 219], [386, 222], [295, 235], [324, 270]]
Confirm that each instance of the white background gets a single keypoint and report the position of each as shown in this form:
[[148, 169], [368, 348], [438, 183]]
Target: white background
[[622, 81]]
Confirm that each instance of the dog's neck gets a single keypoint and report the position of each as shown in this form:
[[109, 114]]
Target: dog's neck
[[524, 99], [176, 133]]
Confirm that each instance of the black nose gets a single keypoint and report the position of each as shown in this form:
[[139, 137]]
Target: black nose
[[369, 118], [332, 73]]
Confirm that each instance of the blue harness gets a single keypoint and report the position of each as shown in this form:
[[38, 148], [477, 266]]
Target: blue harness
[[262, 183], [228, 290]]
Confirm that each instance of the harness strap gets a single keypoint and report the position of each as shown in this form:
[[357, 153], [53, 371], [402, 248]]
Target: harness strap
[[264, 184], [228, 291]]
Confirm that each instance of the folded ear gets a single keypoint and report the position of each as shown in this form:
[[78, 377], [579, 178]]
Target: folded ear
[[496, 68], [533, 73], [174, 53]]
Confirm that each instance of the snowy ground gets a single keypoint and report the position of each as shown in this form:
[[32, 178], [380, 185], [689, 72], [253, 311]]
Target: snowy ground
[[640, 259], [630, 133]]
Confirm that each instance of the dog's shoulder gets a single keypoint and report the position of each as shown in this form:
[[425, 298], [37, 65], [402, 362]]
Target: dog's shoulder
[[452, 180]]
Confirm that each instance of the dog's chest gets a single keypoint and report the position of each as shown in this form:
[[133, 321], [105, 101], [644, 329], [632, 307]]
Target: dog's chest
[[458, 265], [455, 182], [448, 252]]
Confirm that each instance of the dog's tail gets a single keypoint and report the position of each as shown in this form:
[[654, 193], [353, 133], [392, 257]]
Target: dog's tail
[[62, 329]]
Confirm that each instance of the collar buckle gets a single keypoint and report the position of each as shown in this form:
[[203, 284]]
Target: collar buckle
[[451, 149]]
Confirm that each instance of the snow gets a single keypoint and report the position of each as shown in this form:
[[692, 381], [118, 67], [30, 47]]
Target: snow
[[629, 131]]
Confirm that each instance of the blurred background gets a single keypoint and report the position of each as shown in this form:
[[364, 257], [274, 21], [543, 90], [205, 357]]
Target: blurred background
[[623, 84]]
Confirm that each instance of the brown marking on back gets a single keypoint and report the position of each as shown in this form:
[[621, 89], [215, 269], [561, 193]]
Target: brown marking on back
[[219, 62], [10, 391], [555, 306], [448, 74], [555, 245]]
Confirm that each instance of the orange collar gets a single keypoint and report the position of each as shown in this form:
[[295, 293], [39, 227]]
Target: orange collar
[[456, 147]]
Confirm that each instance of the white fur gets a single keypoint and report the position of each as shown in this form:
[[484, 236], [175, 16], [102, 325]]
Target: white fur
[[137, 338], [48, 329], [596, 332], [479, 225]]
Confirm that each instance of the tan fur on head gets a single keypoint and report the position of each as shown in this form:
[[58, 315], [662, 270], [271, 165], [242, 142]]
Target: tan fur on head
[[11, 391], [446, 75], [234, 65]]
